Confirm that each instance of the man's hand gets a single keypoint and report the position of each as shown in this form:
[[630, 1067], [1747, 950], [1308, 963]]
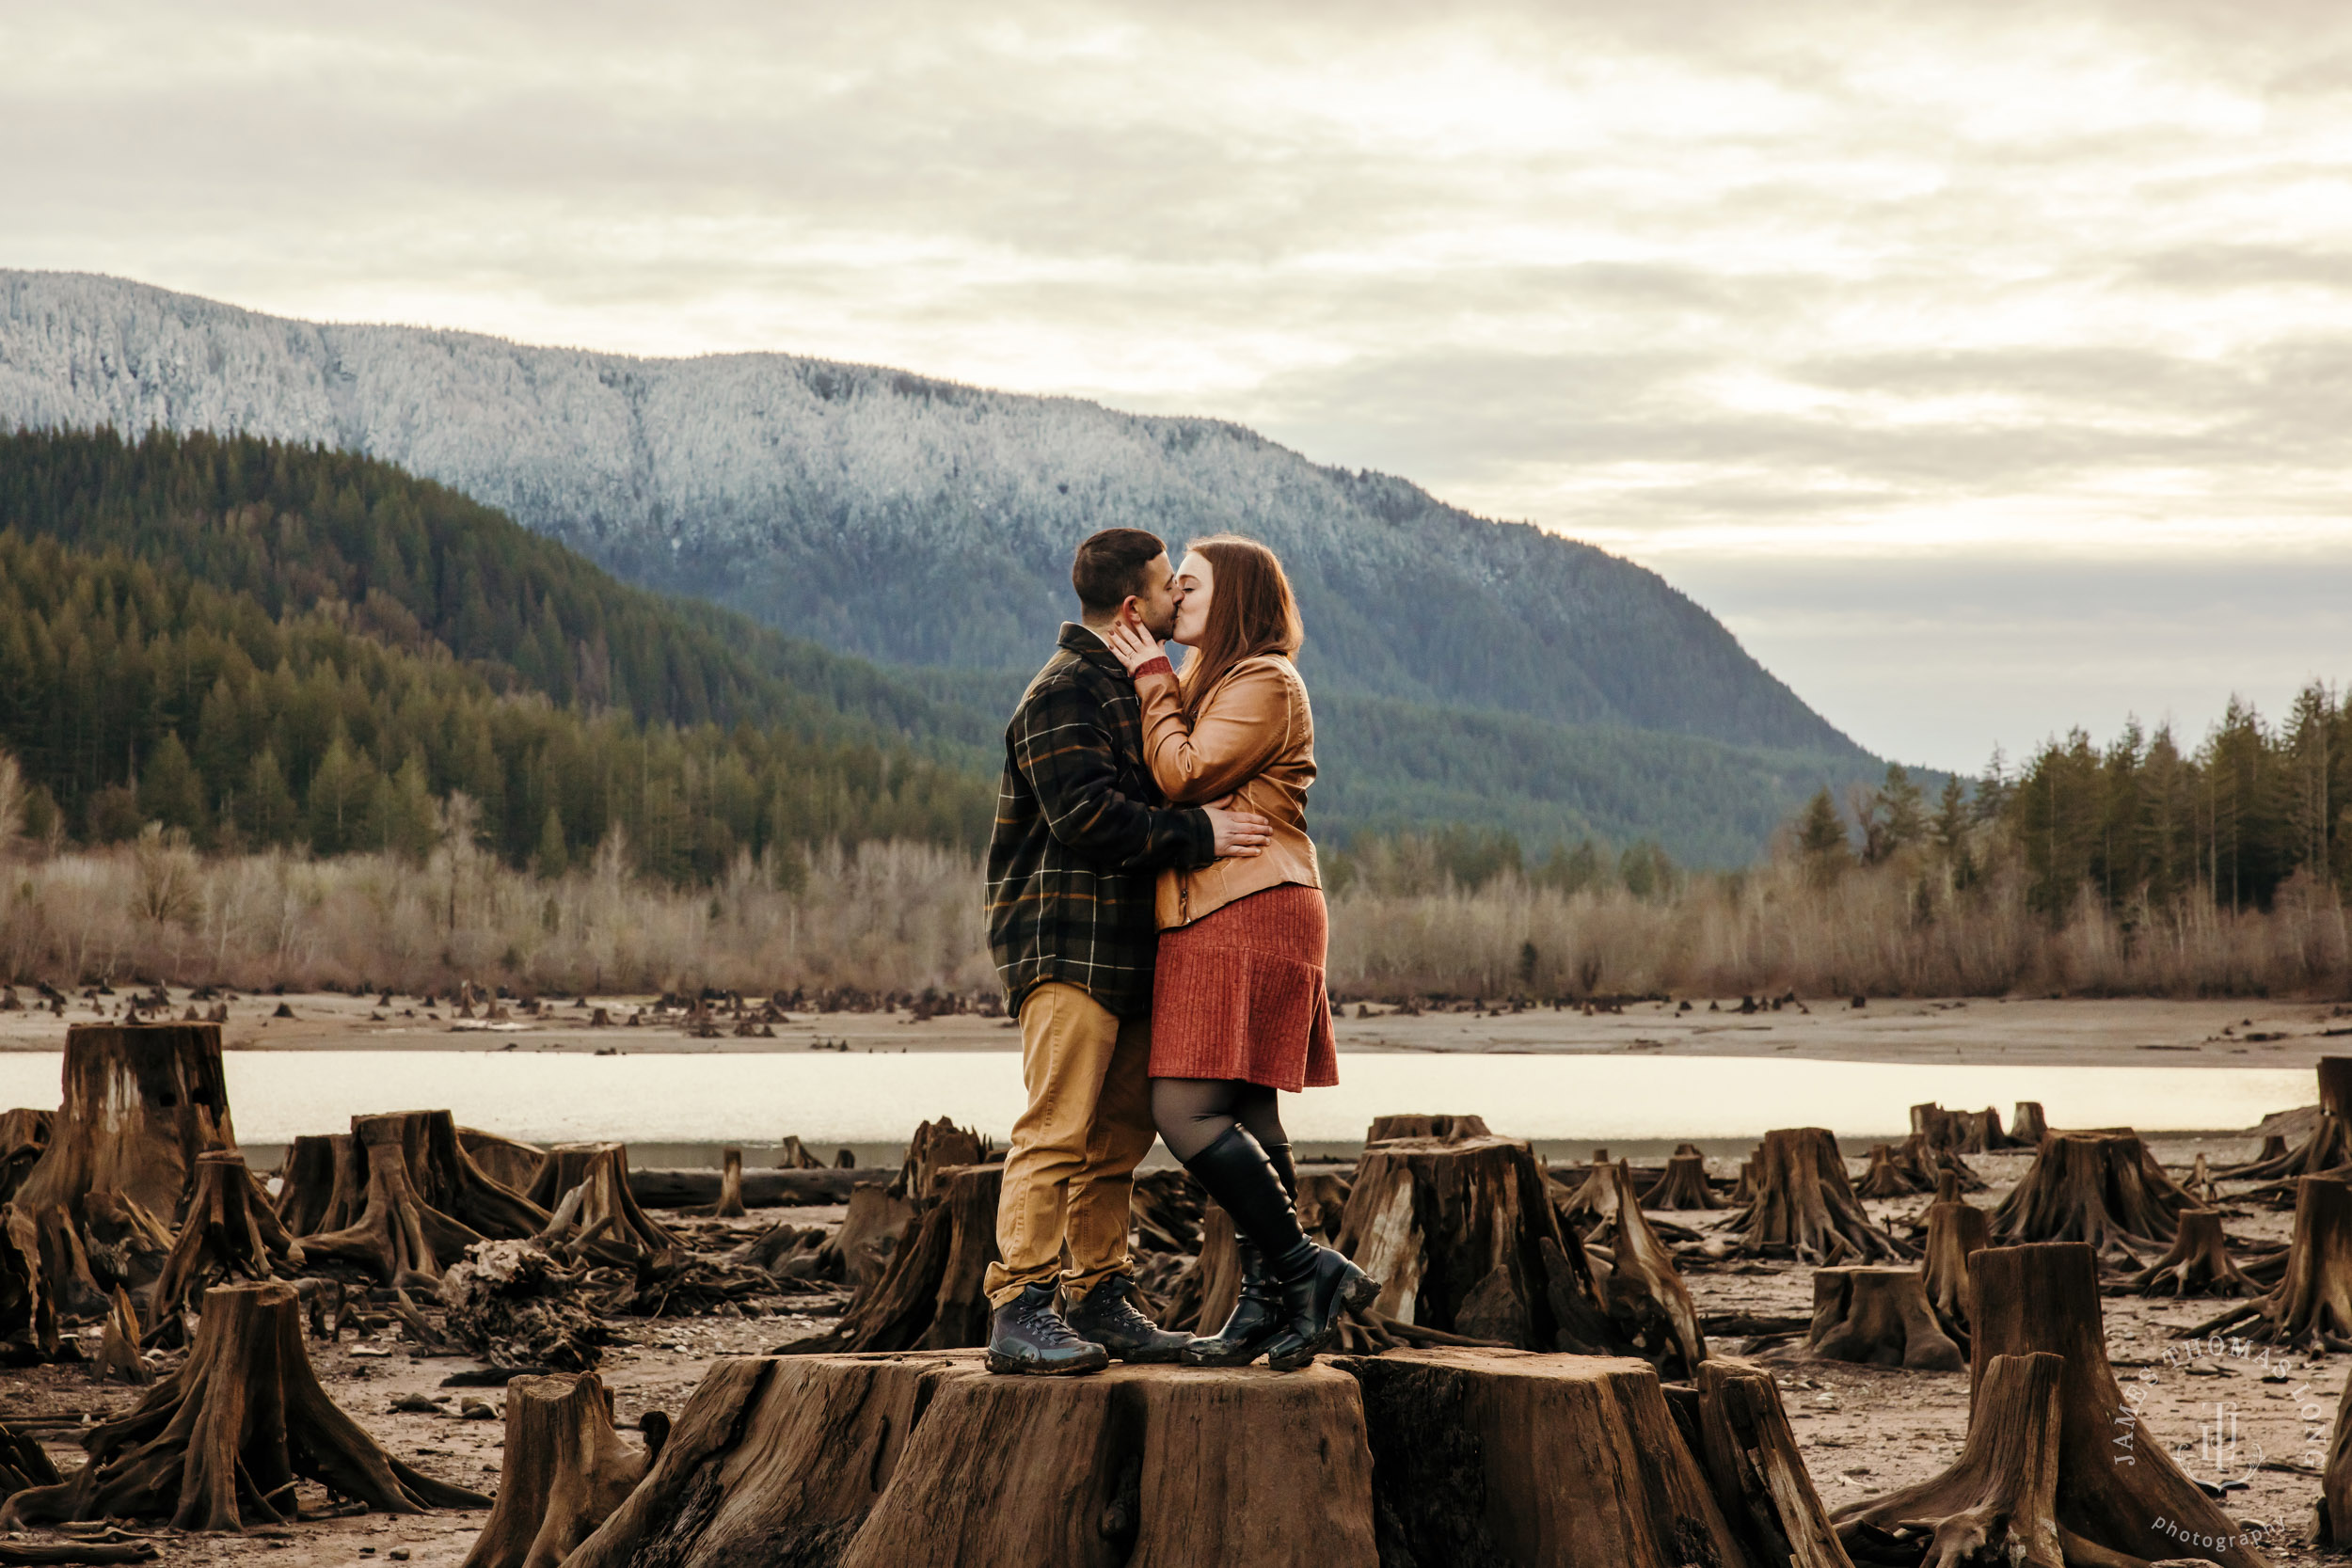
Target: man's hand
[[1239, 834]]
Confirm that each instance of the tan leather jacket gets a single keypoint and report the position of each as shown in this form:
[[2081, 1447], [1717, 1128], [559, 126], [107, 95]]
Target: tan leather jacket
[[1255, 741]]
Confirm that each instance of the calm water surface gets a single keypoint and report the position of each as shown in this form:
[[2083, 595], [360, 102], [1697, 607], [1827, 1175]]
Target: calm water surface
[[855, 1099]]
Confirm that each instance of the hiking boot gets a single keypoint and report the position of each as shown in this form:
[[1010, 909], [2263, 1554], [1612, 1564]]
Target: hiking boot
[[1027, 1335], [1316, 1298], [1111, 1315]]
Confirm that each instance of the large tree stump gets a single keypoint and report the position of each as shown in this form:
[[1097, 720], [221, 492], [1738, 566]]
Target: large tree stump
[[140, 1104], [2044, 1298], [230, 1232], [1452, 1129], [937, 1146], [2329, 1148], [1956, 1232], [2027, 1128], [1805, 1207], [396, 1238], [884, 1461], [1568, 1461], [1928, 1168], [1684, 1186], [1757, 1472], [563, 1472], [873, 1229], [23, 1134], [326, 1183], [2311, 1304], [2199, 1263], [1961, 1132], [586, 1185], [2101, 1188], [1463, 1238], [509, 1162], [1886, 1176], [929, 1297], [1998, 1503], [220, 1443], [1879, 1317], [1640, 1289]]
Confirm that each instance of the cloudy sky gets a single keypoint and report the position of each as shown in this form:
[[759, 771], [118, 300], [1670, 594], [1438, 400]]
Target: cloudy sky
[[1986, 365]]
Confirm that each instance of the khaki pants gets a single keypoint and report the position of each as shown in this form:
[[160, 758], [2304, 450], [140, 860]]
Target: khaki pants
[[1070, 1170]]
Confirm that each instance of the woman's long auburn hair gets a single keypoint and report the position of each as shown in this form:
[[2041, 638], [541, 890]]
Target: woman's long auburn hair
[[1251, 611]]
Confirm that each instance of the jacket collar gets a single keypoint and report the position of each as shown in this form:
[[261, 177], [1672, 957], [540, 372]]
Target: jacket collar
[[1083, 641]]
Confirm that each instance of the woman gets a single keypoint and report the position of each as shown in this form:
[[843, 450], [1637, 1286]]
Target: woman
[[1239, 1006]]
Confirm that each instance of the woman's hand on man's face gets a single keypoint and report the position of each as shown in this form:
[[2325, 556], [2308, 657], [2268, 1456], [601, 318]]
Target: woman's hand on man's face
[[1132, 645]]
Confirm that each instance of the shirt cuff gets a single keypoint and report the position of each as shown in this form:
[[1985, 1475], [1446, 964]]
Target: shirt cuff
[[1159, 666]]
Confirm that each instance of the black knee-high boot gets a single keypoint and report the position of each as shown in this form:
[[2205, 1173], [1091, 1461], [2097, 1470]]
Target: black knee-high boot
[[1318, 1284], [1259, 1314]]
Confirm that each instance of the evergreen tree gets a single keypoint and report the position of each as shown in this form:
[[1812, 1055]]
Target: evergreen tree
[[169, 791], [1821, 836], [551, 859]]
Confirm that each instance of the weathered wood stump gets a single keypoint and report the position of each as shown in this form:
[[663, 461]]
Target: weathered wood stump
[[23, 1463], [24, 1134], [1960, 1132], [2044, 1299], [2329, 1148], [2027, 1128], [1956, 1232], [875, 1228], [140, 1104], [730, 1204], [795, 1155], [509, 1162], [937, 1146], [1640, 1289], [230, 1232], [1452, 1129], [1757, 1471], [1463, 1238], [929, 1297], [1743, 1191], [563, 1472], [1498, 1457], [326, 1186], [1685, 1184], [1998, 1503], [884, 1461], [595, 1214], [2199, 1263], [1886, 1176], [2311, 1304], [1805, 1207], [220, 1443], [2101, 1188], [396, 1238], [1928, 1168], [29, 1311], [1879, 1317]]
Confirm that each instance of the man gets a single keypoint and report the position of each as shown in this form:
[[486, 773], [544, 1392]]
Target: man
[[1081, 834]]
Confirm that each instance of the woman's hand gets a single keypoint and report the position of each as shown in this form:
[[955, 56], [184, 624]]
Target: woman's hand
[[1132, 645]]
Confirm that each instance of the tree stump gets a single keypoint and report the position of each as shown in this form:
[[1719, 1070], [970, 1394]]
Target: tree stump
[[874, 1228], [563, 1472], [509, 1162], [2103, 1188], [1750, 1178], [326, 1186], [2044, 1298], [1457, 1232], [230, 1232], [795, 1155], [29, 1311], [1685, 1184], [1805, 1207], [1879, 1317], [929, 1297], [1928, 1168], [220, 1443], [1500, 1457], [2329, 1148], [23, 1463], [730, 1204], [140, 1104], [24, 1134], [595, 1214], [1998, 1503], [1451, 1129], [2027, 1128], [936, 1146], [2335, 1483], [1757, 1471], [1640, 1290], [397, 1238], [1592, 1199], [2199, 1263], [1887, 1177], [2311, 1304], [1956, 1232], [884, 1461]]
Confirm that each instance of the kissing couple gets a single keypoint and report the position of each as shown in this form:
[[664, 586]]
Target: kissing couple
[[1156, 915]]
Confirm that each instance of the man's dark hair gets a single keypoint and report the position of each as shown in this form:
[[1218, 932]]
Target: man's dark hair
[[1109, 566]]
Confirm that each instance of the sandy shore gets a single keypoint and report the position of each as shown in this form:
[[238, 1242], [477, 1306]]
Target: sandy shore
[[2099, 1032]]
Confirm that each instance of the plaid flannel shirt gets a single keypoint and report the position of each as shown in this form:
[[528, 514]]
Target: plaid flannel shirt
[[1081, 835]]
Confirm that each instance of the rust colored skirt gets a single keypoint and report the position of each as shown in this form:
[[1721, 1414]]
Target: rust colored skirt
[[1240, 994]]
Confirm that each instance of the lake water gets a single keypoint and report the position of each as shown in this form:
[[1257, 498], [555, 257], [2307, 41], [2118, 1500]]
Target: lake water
[[828, 1097]]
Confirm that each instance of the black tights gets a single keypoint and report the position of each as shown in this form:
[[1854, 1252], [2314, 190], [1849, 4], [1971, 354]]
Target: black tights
[[1194, 1113]]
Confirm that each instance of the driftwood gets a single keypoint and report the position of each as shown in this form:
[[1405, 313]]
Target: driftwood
[[1998, 1503], [1879, 1317], [563, 1472], [1452, 1129], [929, 1297], [1495, 1457], [1757, 1473], [2311, 1304], [230, 1232], [1956, 1232], [1805, 1207], [1640, 1290], [884, 1461], [2330, 1146], [221, 1443], [24, 1134], [1684, 1186], [2101, 1188], [511, 1303], [2199, 1263], [141, 1103]]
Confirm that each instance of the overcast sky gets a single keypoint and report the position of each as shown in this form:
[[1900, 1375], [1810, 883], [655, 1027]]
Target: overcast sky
[[1986, 367]]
